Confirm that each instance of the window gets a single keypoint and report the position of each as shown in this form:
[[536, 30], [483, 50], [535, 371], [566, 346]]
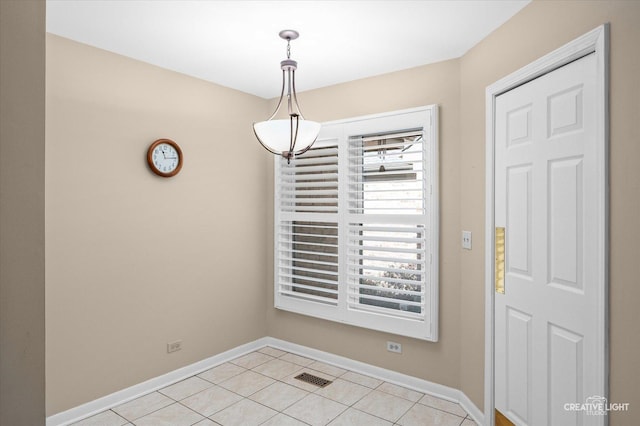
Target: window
[[356, 224]]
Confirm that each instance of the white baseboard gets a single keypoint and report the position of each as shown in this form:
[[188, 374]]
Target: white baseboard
[[120, 397], [410, 382], [471, 408], [125, 395]]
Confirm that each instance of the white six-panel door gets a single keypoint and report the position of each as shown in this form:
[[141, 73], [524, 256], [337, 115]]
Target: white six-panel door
[[546, 197]]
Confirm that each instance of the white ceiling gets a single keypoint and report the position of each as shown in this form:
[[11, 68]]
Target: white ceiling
[[236, 43]]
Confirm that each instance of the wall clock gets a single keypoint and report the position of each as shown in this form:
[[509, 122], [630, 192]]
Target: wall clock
[[164, 157]]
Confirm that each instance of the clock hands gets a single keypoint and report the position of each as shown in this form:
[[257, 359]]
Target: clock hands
[[164, 154]]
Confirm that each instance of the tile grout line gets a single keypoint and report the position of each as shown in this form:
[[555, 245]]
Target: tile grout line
[[316, 390], [308, 392], [281, 380], [200, 414]]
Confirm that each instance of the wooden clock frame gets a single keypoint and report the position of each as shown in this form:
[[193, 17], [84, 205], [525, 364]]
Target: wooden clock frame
[[150, 158]]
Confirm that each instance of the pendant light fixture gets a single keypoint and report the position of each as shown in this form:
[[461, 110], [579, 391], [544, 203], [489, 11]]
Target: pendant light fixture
[[294, 135]]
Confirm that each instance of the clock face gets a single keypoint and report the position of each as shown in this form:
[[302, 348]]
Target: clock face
[[164, 157]]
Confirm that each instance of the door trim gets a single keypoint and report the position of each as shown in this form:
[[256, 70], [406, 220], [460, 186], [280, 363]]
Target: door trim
[[596, 42]]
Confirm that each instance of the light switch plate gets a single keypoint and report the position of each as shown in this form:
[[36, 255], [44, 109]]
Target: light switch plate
[[466, 240]]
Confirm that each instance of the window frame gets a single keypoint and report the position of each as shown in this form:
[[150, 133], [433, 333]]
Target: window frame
[[338, 133]]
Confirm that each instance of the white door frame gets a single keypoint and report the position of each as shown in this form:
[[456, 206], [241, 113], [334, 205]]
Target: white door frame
[[597, 42]]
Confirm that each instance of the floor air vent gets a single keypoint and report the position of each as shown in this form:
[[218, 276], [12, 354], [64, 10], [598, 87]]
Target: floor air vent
[[314, 380]]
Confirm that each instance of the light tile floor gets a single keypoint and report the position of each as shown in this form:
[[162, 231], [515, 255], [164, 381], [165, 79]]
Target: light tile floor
[[260, 389]]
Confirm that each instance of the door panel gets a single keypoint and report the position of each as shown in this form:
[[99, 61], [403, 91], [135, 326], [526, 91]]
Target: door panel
[[565, 224], [565, 374], [519, 364], [565, 111], [519, 125], [518, 245], [545, 323]]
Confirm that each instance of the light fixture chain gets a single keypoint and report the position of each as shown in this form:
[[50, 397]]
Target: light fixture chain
[[288, 48]]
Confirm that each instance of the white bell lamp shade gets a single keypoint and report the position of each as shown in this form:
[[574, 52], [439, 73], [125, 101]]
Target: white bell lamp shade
[[275, 135]]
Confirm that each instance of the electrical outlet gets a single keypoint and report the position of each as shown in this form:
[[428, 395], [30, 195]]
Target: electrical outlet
[[394, 347], [466, 240], [174, 346]]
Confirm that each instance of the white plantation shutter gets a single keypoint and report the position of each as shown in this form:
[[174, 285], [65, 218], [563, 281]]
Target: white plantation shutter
[[356, 227], [307, 232], [388, 271], [387, 174], [309, 183]]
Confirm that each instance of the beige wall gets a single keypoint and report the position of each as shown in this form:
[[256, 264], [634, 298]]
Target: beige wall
[[538, 29], [22, 239], [438, 362], [135, 260], [110, 309]]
